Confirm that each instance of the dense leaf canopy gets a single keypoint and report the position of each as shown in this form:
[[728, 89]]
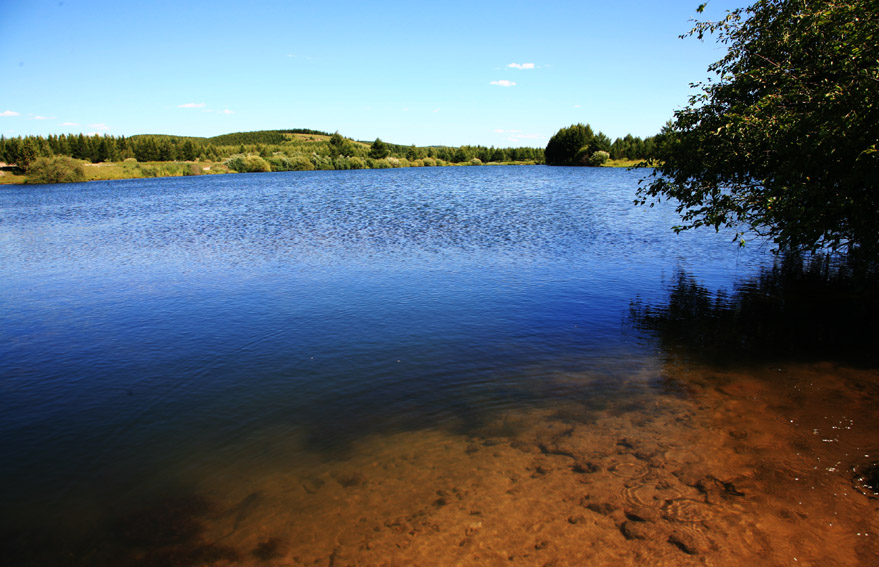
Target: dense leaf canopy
[[567, 142], [578, 144], [783, 141]]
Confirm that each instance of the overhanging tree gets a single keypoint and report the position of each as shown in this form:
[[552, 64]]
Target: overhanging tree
[[783, 141]]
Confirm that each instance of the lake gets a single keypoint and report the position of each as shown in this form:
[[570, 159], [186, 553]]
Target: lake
[[426, 366]]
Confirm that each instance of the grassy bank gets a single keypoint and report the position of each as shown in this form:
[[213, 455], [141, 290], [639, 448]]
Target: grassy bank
[[128, 169], [622, 162], [132, 169]]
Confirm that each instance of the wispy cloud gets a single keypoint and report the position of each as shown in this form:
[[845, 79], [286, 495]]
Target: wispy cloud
[[38, 117], [502, 131], [435, 110], [576, 106], [227, 111], [192, 105], [504, 83], [70, 123], [521, 65], [9, 113], [99, 126]]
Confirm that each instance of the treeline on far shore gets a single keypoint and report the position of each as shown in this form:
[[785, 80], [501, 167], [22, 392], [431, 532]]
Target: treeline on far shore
[[67, 157], [51, 159]]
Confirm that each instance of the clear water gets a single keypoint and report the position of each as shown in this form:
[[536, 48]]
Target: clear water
[[191, 334]]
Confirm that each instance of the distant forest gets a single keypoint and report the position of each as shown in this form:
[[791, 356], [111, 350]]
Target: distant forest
[[276, 147], [22, 151]]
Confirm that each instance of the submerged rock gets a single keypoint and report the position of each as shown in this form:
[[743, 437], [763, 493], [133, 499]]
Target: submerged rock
[[350, 479], [268, 549], [603, 508], [716, 490], [866, 479], [632, 529], [642, 515], [689, 542]]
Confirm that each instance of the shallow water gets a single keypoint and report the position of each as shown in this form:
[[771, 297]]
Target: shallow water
[[406, 367]]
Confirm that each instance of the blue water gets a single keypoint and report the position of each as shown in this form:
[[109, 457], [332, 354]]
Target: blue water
[[145, 321]]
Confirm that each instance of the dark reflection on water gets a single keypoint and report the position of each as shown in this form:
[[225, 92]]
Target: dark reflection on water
[[811, 308]]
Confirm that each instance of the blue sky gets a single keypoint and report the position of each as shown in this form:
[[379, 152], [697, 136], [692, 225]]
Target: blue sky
[[452, 73]]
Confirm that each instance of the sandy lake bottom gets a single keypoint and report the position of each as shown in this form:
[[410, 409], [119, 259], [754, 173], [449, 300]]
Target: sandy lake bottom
[[719, 467]]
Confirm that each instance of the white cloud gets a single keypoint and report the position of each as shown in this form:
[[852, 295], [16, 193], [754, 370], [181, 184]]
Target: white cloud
[[227, 111], [191, 105], [44, 117], [99, 126], [521, 65], [576, 106], [70, 123], [436, 110], [9, 113], [502, 131], [503, 83]]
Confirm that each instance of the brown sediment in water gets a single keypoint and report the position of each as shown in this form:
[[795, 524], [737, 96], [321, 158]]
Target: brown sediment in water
[[731, 467]]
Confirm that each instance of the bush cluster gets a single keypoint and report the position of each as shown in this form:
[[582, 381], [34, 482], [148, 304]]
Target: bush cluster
[[247, 164], [59, 169]]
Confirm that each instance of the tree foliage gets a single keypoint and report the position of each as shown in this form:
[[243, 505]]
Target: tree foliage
[[152, 155], [598, 158], [248, 164], [565, 144], [341, 146], [578, 143], [379, 149], [59, 169], [632, 147], [782, 142]]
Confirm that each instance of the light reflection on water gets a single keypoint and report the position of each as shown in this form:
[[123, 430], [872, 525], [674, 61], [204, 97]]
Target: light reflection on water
[[254, 350]]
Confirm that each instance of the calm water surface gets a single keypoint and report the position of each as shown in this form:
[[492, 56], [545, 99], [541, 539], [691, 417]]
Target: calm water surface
[[248, 351]]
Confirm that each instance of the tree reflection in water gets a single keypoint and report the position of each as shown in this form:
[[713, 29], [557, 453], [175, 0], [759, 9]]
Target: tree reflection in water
[[802, 308]]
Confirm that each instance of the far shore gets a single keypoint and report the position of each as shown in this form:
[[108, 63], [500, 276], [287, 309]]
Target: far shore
[[130, 169]]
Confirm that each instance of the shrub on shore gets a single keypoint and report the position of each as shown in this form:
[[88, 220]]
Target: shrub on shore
[[248, 164], [599, 158], [58, 169]]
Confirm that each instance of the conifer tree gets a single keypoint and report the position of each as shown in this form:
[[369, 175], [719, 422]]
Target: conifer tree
[[379, 149]]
